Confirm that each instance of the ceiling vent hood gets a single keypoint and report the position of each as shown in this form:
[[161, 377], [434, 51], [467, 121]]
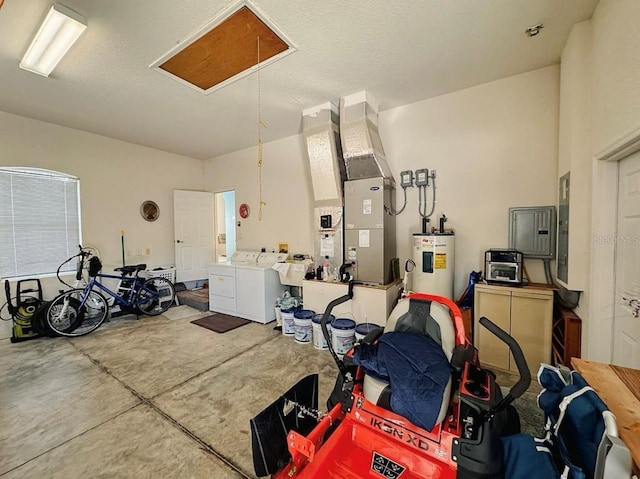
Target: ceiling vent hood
[[322, 138], [361, 143], [320, 131]]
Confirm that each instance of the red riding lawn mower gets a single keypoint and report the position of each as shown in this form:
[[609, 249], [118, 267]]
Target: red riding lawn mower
[[390, 415]]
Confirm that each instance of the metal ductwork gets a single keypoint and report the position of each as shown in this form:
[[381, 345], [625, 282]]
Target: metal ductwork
[[362, 148], [367, 232], [322, 138], [370, 233]]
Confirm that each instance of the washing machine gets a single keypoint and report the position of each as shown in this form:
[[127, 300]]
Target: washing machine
[[257, 288], [247, 286], [222, 281]]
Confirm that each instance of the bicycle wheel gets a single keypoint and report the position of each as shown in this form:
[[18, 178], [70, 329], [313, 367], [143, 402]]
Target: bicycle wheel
[[155, 296], [39, 322], [67, 316]]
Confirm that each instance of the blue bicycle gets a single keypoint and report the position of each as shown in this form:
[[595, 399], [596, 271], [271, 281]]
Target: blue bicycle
[[80, 311]]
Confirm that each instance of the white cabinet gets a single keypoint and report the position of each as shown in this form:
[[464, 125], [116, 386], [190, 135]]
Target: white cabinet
[[370, 304], [526, 313]]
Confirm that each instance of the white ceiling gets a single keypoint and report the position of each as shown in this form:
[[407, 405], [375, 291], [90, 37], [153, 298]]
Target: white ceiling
[[400, 51]]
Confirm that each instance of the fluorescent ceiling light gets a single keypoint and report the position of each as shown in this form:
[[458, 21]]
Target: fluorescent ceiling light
[[59, 31]]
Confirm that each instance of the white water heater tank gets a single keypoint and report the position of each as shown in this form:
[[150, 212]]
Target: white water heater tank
[[433, 254]]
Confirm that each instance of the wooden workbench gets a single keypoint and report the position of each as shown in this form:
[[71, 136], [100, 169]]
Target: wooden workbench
[[619, 388]]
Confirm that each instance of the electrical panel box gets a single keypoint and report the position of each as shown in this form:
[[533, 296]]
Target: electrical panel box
[[406, 178], [422, 177], [532, 230], [562, 271]]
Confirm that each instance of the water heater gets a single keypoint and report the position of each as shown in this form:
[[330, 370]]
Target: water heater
[[433, 254]]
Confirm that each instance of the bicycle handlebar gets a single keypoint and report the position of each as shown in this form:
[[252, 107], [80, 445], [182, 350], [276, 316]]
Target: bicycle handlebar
[[82, 254]]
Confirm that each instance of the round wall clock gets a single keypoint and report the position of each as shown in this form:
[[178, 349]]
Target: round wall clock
[[244, 210], [149, 210]]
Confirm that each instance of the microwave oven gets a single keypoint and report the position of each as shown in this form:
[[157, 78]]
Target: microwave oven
[[503, 266]]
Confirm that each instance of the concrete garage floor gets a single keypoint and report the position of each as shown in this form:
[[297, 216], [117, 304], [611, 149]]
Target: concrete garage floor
[[154, 397]]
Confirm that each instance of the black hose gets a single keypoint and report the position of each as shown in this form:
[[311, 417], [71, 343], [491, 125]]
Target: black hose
[[325, 331], [8, 304], [60, 267], [2, 308], [82, 254]]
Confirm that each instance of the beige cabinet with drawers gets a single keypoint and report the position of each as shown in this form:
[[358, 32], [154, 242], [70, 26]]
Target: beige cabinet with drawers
[[526, 313]]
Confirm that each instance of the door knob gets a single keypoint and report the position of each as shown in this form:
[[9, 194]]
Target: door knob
[[178, 241]]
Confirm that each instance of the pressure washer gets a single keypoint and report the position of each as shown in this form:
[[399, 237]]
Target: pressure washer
[[23, 313]]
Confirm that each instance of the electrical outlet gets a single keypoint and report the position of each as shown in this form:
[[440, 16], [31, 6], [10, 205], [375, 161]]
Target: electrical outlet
[[422, 177], [147, 251], [139, 252]]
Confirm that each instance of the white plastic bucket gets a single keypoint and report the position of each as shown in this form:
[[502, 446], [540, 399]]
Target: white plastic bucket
[[343, 335], [288, 324], [318, 338], [363, 329], [302, 325]]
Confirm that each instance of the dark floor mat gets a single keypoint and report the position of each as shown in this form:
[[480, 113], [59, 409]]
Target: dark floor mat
[[198, 299], [220, 323]]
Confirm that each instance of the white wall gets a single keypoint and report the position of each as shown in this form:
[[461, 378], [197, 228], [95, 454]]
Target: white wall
[[616, 72], [115, 178], [493, 146], [615, 102], [575, 156], [286, 189]]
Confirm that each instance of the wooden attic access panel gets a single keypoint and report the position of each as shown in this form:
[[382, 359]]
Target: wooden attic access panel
[[227, 50]]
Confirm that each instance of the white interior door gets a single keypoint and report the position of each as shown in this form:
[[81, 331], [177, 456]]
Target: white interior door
[[193, 229], [626, 324]]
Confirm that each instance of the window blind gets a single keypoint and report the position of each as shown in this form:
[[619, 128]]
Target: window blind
[[39, 221]]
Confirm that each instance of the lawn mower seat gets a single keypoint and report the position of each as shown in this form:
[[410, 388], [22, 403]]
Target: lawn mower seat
[[423, 317]]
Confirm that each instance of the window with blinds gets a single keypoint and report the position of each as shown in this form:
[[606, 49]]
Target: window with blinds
[[39, 221]]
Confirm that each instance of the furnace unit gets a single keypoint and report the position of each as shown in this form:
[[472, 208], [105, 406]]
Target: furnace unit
[[370, 233]]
